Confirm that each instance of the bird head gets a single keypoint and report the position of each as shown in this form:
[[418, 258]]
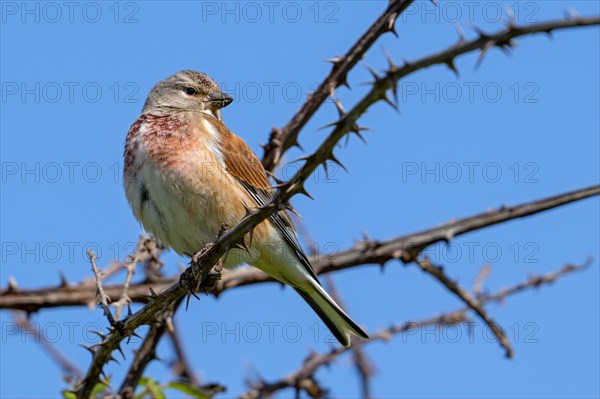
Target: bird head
[[187, 91]]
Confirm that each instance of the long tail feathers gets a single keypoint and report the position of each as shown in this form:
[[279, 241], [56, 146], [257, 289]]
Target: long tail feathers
[[338, 322]]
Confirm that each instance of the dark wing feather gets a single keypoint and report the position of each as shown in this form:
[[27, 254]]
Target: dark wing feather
[[243, 164]]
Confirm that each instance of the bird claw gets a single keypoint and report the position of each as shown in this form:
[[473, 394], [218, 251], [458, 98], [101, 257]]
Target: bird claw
[[205, 282]]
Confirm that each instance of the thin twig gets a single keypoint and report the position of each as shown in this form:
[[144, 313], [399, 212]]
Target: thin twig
[[480, 279], [473, 304], [102, 298], [130, 265]]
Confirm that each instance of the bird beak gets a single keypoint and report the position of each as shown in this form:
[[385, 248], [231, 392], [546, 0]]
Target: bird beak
[[216, 101], [219, 100]]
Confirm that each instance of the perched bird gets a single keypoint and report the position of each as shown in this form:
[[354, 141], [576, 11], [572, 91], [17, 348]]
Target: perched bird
[[186, 174]]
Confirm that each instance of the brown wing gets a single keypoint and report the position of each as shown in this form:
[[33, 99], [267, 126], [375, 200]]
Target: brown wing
[[243, 164]]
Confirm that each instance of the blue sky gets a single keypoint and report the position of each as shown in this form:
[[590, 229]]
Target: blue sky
[[74, 77]]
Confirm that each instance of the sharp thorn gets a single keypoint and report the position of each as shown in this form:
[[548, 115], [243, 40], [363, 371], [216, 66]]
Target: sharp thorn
[[326, 168], [272, 176], [334, 159], [477, 30], [304, 158], [187, 300], [336, 61], [460, 32], [376, 76], [121, 352], [390, 102], [452, 66], [510, 20], [98, 333], [241, 245], [388, 58], [394, 90], [482, 54], [343, 81], [302, 190], [340, 107], [63, 280], [12, 285], [295, 143], [194, 295], [246, 209], [152, 292], [571, 13], [293, 210], [359, 135], [390, 24], [89, 348], [338, 122]]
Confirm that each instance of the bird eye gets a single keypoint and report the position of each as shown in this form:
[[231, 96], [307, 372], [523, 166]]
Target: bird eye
[[190, 90]]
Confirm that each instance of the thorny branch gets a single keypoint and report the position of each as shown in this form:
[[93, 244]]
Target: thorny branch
[[201, 275], [203, 262], [368, 251], [147, 352], [286, 137], [314, 362], [144, 355], [438, 273], [283, 139], [212, 254], [406, 248]]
